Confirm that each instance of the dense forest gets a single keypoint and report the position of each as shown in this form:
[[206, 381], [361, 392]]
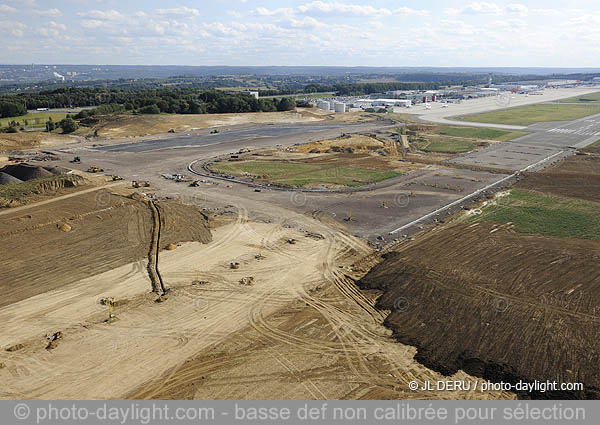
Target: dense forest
[[164, 100]]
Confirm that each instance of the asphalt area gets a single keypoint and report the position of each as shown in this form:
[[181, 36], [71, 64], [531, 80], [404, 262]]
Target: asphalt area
[[387, 211]]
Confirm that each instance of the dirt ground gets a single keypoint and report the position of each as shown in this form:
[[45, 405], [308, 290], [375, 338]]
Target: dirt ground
[[498, 304], [33, 140], [143, 125], [577, 176], [300, 328], [106, 232]]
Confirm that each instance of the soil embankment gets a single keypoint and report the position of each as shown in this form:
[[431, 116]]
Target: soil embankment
[[497, 304], [50, 245]]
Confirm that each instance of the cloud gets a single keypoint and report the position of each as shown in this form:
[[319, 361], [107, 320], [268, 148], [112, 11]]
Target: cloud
[[546, 12], [320, 8], [52, 29], [485, 8], [178, 11], [336, 8], [406, 11], [109, 15], [7, 9], [262, 11], [16, 29], [519, 9], [50, 12]]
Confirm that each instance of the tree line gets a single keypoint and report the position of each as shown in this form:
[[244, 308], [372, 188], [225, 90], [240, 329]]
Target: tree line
[[353, 89], [164, 100], [11, 109]]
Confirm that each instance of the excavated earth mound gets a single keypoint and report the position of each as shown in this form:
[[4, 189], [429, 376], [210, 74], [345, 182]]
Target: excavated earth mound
[[497, 304], [8, 179], [109, 231], [26, 172]]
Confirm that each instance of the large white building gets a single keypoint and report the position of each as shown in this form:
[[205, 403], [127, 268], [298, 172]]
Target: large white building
[[323, 104], [368, 103]]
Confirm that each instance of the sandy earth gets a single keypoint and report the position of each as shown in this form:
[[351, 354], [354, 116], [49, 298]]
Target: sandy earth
[[144, 125], [31, 140], [301, 330]]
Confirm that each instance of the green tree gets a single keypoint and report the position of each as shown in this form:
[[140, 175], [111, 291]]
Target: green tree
[[12, 109], [68, 125], [150, 109], [286, 104], [50, 125]]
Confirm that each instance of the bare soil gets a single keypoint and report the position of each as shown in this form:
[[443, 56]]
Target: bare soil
[[302, 329], [31, 140], [497, 304], [107, 231], [576, 177]]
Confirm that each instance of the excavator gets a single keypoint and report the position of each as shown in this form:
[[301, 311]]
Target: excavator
[[110, 304]]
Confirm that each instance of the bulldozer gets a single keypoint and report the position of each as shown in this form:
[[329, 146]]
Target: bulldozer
[[138, 184]]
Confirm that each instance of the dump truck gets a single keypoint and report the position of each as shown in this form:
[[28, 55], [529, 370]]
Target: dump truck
[[95, 170]]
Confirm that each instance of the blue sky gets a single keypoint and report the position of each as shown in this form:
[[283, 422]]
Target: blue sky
[[306, 32]]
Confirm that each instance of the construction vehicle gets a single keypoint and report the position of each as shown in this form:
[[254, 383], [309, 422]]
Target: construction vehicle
[[95, 170], [195, 183], [349, 217], [138, 184], [76, 159], [384, 204], [110, 304], [180, 178], [117, 178]]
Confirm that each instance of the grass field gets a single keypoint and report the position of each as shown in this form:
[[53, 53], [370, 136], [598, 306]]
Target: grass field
[[298, 174], [586, 98], [549, 215], [531, 114], [596, 143], [480, 133], [37, 120], [447, 146]]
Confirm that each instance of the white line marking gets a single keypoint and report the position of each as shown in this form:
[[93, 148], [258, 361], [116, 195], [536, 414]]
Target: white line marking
[[477, 192]]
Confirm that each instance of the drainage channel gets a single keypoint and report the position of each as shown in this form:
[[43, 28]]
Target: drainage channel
[[155, 277]]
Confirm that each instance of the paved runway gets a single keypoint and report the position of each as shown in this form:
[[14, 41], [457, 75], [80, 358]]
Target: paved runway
[[545, 139], [224, 136]]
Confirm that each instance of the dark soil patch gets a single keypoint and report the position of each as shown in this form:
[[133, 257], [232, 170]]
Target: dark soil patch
[[497, 304]]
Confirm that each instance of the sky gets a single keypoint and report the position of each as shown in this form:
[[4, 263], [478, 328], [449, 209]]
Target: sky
[[546, 33]]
